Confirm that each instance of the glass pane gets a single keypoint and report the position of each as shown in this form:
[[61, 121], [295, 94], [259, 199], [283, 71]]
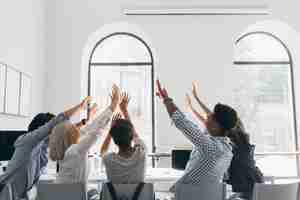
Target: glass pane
[[279, 166], [2, 87], [260, 47], [136, 80], [121, 48], [263, 100]]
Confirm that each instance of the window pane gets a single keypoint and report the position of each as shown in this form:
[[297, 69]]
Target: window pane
[[136, 80], [260, 47], [121, 48], [284, 166], [263, 99]]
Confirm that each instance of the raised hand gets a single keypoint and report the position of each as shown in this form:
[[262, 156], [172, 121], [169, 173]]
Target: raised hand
[[115, 97], [79, 107], [85, 102], [125, 99], [195, 94], [195, 89], [161, 92]]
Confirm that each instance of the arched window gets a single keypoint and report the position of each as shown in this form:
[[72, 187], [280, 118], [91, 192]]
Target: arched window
[[125, 59], [264, 96]]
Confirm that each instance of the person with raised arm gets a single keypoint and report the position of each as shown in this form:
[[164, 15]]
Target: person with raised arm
[[242, 173], [211, 155], [71, 151], [128, 164], [29, 158]]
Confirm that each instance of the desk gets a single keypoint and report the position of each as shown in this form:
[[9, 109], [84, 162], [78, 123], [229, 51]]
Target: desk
[[153, 175]]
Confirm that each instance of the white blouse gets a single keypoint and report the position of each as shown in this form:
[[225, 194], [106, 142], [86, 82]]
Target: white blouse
[[75, 167]]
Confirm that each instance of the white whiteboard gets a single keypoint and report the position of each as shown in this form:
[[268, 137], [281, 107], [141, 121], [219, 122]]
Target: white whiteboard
[[2, 86], [12, 92], [25, 98]]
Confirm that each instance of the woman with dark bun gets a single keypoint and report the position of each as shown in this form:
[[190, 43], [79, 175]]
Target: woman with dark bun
[[212, 151], [242, 172]]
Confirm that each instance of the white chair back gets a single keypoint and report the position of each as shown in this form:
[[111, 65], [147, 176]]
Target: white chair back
[[276, 191], [58, 191], [212, 191], [126, 191]]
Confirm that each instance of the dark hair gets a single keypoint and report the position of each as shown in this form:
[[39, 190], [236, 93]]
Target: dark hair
[[238, 134], [225, 116], [122, 132], [238, 137], [39, 120]]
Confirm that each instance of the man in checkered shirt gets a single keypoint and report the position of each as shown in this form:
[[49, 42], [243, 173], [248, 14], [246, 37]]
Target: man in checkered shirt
[[212, 152]]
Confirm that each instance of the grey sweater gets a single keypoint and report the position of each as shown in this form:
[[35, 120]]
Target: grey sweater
[[19, 175]]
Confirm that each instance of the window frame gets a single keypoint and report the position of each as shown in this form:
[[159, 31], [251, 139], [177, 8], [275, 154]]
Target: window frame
[[294, 108], [151, 64]]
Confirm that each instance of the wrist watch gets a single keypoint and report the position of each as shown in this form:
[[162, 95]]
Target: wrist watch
[[83, 121]]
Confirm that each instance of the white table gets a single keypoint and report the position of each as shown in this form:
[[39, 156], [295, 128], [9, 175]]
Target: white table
[[153, 175]]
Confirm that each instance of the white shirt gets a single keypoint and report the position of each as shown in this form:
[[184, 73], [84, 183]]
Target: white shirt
[[127, 170], [74, 168]]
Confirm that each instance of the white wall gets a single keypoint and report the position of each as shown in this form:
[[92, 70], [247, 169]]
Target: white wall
[[189, 48], [22, 45]]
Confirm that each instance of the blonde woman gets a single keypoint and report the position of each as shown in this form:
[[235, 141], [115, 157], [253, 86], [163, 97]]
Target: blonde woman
[[70, 151]]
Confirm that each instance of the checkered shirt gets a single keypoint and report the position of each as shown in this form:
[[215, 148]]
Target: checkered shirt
[[211, 156]]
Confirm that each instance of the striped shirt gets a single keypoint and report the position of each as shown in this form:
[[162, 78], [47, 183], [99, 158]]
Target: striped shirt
[[127, 170], [211, 156]]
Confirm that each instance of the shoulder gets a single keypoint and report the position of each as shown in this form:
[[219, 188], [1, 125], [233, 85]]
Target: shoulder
[[72, 151], [139, 144], [223, 145]]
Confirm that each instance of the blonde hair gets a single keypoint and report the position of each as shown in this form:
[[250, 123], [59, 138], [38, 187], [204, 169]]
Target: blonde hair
[[61, 138]]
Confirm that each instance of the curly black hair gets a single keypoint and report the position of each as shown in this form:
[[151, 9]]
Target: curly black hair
[[39, 120]]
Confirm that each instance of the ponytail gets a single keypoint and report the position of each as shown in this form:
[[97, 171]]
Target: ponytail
[[238, 135]]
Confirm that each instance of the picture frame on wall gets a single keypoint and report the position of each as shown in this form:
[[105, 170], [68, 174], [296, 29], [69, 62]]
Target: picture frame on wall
[[2, 87], [12, 91], [15, 92], [25, 96]]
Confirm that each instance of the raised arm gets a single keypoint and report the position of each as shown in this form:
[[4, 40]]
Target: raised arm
[[124, 109], [78, 108], [187, 127], [199, 116], [196, 96], [104, 118], [93, 111], [31, 139], [94, 129], [105, 146]]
